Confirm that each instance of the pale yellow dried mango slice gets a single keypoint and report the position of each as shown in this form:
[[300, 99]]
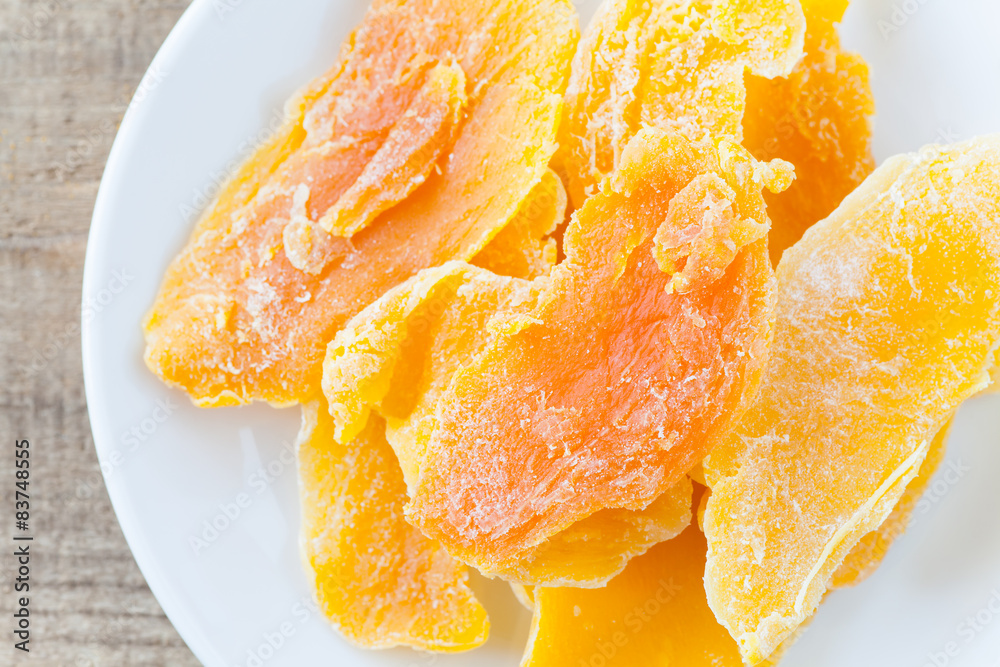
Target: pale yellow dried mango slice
[[242, 316], [526, 247], [617, 382], [378, 581], [869, 553], [671, 64], [397, 358], [819, 119], [887, 319]]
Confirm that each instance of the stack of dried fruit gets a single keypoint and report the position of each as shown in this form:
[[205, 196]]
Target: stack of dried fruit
[[543, 284]]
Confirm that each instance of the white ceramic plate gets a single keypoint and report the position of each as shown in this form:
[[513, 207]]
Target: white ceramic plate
[[238, 597]]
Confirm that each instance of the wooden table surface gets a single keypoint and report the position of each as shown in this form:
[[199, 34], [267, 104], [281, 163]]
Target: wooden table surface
[[67, 71]]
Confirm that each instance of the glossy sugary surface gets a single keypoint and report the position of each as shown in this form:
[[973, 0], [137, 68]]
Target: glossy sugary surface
[[671, 64], [869, 553], [247, 308], [398, 356], [378, 580], [525, 248], [817, 118], [654, 613], [618, 381], [888, 317]]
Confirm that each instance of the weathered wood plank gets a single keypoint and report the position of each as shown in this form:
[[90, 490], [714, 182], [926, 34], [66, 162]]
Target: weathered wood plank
[[67, 70]]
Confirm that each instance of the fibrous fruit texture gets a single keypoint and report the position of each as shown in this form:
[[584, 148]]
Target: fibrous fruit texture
[[397, 358], [817, 118], [643, 348], [671, 64], [378, 580], [887, 319], [869, 553], [416, 148]]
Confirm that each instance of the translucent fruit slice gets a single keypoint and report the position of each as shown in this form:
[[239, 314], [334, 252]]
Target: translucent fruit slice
[[397, 358], [378, 580], [621, 378], [654, 613], [817, 118], [405, 159], [525, 248], [887, 319], [421, 144], [670, 64], [869, 553], [525, 595]]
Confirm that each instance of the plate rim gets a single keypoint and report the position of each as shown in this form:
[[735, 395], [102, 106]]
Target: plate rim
[[101, 220]]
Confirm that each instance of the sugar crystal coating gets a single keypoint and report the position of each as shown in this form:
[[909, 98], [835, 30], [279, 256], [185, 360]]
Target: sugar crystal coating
[[670, 64], [610, 388], [869, 553], [378, 581], [887, 319], [398, 357], [240, 315], [819, 119]]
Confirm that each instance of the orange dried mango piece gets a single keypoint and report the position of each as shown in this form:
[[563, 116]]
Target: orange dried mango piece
[[654, 613], [866, 557], [525, 248], [397, 358], [377, 579], [247, 308], [410, 151], [594, 550], [670, 64], [607, 391], [887, 319], [817, 118]]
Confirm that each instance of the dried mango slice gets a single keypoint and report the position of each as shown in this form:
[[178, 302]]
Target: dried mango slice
[[818, 118], [525, 248], [670, 64], [593, 551], [398, 356], [379, 581], [411, 149], [242, 316], [887, 319], [524, 594], [654, 613], [604, 394], [866, 557]]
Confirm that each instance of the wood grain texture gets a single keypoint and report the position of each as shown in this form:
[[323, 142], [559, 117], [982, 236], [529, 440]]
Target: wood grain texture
[[67, 71]]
